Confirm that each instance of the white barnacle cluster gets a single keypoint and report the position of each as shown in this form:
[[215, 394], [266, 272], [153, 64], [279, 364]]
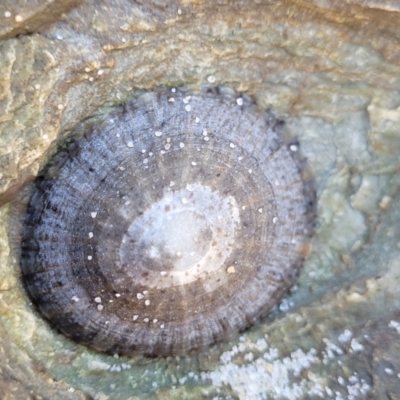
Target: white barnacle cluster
[[257, 371]]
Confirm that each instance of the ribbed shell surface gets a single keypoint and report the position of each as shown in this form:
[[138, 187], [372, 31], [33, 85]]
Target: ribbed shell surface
[[176, 222]]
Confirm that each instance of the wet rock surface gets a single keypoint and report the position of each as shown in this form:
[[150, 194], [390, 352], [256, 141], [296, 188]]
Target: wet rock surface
[[332, 72]]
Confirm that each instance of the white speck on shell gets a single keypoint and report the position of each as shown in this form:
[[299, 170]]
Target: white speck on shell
[[389, 371]]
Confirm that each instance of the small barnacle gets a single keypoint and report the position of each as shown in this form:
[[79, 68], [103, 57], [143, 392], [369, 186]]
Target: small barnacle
[[170, 226]]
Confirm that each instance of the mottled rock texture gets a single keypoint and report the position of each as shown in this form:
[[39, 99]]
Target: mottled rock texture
[[331, 70]]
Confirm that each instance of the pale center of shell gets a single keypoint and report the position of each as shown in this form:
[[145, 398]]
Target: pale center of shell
[[180, 238]]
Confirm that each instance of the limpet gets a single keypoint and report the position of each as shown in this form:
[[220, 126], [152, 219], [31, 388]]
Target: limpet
[[176, 222]]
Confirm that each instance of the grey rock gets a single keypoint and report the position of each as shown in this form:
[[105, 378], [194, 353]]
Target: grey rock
[[331, 70]]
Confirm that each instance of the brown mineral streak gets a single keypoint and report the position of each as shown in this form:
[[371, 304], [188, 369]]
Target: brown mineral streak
[[134, 260]]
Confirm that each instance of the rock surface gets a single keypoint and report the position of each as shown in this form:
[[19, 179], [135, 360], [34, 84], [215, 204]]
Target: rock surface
[[332, 71]]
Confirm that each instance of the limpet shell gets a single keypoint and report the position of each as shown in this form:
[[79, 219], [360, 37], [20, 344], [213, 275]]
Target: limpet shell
[[178, 221]]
